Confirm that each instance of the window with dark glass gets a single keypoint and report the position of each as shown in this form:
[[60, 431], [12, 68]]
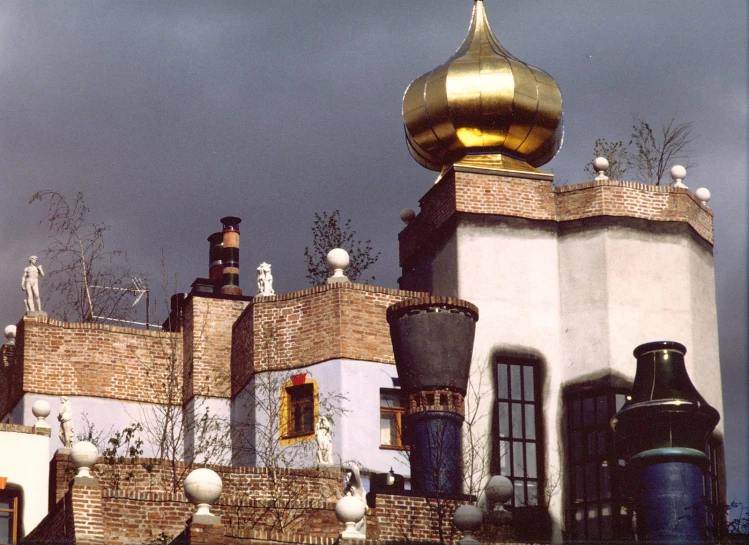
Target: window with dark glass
[[596, 509], [711, 483], [301, 410], [520, 457], [392, 410], [9, 516]]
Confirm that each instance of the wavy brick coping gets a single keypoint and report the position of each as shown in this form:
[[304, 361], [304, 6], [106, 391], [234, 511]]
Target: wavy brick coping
[[30, 430], [352, 286], [648, 188], [429, 302], [101, 327], [495, 194]]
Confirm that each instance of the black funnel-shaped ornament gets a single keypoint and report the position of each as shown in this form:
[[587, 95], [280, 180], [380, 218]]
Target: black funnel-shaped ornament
[[665, 409], [664, 424], [433, 343]]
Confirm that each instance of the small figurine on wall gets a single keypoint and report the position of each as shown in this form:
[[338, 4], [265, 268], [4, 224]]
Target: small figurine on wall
[[264, 279], [324, 437], [30, 284], [65, 417]]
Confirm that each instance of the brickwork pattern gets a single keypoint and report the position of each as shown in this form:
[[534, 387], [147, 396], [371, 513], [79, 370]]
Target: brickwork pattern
[[81, 359], [342, 320], [493, 194], [400, 518], [207, 335], [136, 515], [151, 476], [88, 518]]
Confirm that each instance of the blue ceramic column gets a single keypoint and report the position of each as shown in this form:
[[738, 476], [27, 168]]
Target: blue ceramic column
[[665, 424], [433, 343]]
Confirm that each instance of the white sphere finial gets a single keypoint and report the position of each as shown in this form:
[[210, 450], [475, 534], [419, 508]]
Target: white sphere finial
[[678, 173], [41, 409], [350, 510], [10, 333], [203, 487], [407, 215], [467, 519], [601, 165], [338, 259], [703, 195], [84, 455]]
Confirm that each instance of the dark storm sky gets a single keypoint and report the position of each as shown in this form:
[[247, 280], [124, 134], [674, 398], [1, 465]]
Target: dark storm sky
[[170, 115]]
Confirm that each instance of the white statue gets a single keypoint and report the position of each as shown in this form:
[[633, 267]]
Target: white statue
[[324, 437], [264, 280], [30, 284], [353, 487], [66, 422]]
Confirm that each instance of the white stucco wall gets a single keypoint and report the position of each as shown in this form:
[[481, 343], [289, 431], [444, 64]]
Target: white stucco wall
[[107, 415], [581, 301], [210, 440], [622, 287], [24, 459], [356, 431]]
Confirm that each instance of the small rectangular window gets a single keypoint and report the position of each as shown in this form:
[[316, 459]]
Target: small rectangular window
[[301, 400], [392, 411]]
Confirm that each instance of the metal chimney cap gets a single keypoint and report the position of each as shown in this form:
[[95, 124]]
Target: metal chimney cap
[[659, 345]]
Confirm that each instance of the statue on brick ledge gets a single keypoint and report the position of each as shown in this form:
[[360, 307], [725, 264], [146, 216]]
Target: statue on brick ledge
[[264, 279], [65, 416], [30, 285]]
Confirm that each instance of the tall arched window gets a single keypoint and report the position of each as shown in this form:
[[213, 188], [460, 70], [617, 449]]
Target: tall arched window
[[596, 504], [520, 456]]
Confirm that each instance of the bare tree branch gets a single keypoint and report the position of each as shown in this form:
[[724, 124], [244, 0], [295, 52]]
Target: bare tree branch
[[330, 231]]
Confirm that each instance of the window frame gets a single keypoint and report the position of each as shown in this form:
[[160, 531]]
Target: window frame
[[13, 496], [399, 412], [522, 399], [598, 458], [287, 434]]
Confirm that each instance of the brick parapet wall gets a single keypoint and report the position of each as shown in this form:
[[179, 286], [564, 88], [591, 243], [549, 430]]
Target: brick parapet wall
[[341, 320], [88, 518], [144, 477], [494, 194], [401, 518], [82, 359], [31, 430], [207, 336], [136, 514]]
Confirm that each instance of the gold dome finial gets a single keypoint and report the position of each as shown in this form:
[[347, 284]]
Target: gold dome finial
[[483, 107]]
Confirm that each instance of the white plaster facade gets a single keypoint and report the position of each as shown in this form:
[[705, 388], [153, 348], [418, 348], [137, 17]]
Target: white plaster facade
[[24, 460], [356, 428], [579, 298]]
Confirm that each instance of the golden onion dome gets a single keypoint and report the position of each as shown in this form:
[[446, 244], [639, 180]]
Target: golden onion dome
[[483, 107]]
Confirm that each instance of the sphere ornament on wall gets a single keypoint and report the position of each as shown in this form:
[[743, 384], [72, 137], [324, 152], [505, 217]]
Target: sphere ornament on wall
[[84, 455], [41, 409], [350, 510], [483, 107], [203, 487]]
